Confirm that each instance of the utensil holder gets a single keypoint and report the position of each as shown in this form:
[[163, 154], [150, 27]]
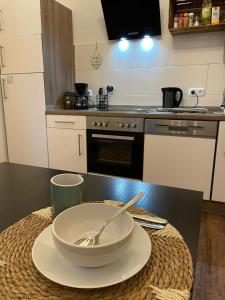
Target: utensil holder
[[102, 102]]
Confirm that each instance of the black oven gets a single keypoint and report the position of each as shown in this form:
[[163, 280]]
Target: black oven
[[115, 152]]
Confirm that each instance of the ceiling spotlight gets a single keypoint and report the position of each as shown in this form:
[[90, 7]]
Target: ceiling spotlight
[[147, 43], [124, 44]]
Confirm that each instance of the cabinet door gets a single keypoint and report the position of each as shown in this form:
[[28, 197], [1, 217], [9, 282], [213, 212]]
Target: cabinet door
[[21, 55], [58, 49], [24, 106], [219, 174], [20, 17], [67, 149], [181, 162]]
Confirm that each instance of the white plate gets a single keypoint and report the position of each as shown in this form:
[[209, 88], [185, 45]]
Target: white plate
[[52, 265]]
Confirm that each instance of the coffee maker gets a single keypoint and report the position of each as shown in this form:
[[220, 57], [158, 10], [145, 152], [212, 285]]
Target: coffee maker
[[81, 96]]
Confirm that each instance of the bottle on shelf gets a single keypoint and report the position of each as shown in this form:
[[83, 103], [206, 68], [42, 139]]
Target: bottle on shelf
[[176, 21], [215, 15], [222, 15], [196, 20], [186, 19], [181, 20], [206, 12], [191, 19]]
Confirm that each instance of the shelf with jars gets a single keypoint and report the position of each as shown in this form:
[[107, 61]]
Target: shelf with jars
[[196, 16]]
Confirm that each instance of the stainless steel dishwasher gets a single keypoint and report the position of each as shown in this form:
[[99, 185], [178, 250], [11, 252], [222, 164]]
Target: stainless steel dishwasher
[[180, 153]]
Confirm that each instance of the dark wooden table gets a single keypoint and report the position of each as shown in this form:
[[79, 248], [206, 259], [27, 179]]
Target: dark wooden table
[[24, 189]]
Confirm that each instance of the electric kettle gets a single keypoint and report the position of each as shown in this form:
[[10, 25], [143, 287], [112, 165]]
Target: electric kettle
[[172, 97]]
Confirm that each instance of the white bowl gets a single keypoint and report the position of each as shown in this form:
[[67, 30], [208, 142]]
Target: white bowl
[[82, 219]]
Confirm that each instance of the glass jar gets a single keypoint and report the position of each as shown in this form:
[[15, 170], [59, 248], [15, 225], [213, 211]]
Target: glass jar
[[181, 20], [191, 19], [186, 19], [196, 22], [176, 21]]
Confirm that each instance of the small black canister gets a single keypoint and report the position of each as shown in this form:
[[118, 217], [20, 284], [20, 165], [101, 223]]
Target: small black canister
[[69, 101]]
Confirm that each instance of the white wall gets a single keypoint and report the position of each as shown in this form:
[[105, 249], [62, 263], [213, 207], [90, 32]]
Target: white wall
[[185, 61], [3, 152], [68, 3]]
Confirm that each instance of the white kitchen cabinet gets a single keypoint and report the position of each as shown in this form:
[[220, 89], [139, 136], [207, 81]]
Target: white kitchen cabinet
[[67, 143], [22, 55], [37, 36], [24, 107], [182, 162], [19, 18], [219, 173], [20, 37], [35, 39]]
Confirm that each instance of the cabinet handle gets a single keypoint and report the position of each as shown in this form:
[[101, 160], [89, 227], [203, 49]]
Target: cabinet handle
[[79, 145], [4, 88], [1, 21], [2, 57], [64, 122]]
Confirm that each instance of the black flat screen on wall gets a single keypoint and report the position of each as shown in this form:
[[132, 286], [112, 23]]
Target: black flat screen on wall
[[131, 19]]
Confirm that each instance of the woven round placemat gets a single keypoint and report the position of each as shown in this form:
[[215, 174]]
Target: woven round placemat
[[168, 274]]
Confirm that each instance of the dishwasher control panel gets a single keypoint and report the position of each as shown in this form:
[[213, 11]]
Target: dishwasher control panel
[[204, 129]]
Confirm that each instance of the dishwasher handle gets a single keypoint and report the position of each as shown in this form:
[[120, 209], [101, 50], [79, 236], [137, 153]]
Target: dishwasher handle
[[182, 127]]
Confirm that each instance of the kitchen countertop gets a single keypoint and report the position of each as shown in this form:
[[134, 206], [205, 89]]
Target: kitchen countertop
[[138, 112]]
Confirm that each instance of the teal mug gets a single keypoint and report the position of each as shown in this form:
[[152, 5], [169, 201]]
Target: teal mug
[[66, 191]]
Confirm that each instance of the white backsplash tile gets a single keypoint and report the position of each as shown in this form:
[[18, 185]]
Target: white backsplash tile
[[136, 57], [216, 79], [197, 49], [90, 77], [133, 81], [140, 100], [113, 57], [184, 77], [207, 100], [84, 54], [110, 77]]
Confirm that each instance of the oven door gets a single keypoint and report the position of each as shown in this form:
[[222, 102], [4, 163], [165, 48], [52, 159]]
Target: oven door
[[115, 153]]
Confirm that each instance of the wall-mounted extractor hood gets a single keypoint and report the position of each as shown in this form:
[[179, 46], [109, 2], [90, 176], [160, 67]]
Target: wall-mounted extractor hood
[[131, 19]]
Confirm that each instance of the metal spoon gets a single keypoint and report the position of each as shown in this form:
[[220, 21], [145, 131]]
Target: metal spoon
[[94, 239]]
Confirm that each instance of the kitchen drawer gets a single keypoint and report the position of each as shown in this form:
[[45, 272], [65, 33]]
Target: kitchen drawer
[[66, 122]]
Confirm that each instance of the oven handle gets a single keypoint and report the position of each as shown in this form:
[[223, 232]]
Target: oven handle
[[113, 137]]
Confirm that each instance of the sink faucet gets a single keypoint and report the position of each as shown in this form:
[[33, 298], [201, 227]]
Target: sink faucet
[[223, 102]]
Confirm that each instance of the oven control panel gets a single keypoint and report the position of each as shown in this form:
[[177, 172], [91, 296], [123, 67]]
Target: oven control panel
[[115, 124]]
